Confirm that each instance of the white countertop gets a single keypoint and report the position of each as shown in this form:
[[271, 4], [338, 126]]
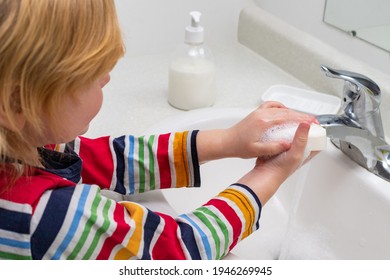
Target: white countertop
[[136, 97]]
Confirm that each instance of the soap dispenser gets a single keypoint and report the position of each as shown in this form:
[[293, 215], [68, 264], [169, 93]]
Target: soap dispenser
[[191, 82]]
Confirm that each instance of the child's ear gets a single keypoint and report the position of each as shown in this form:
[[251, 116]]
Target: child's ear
[[14, 119]]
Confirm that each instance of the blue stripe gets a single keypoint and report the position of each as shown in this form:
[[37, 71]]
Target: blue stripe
[[75, 222], [15, 243], [130, 163], [119, 147], [15, 221], [151, 224], [195, 160], [187, 235], [205, 241], [51, 221]]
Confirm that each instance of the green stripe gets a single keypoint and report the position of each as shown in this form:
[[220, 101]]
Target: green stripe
[[100, 231], [91, 221], [214, 233], [141, 165], [221, 225], [11, 256], [151, 163]]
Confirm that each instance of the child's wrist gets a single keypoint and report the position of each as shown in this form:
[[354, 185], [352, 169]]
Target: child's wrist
[[225, 143], [228, 144], [264, 183], [212, 145]]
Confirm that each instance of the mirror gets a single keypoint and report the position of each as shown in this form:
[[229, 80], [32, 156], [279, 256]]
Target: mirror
[[368, 20]]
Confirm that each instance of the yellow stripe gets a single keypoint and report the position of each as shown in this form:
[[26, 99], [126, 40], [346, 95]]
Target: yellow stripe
[[246, 207], [137, 213], [180, 159]]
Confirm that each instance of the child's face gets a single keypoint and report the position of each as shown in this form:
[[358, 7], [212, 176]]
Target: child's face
[[78, 113], [75, 114]]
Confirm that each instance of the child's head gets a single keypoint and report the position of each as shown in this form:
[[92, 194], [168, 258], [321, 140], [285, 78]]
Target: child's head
[[49, 50]]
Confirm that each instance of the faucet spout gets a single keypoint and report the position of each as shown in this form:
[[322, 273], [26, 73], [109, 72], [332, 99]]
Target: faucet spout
[[353, 140], [327, 121], [369, 151]]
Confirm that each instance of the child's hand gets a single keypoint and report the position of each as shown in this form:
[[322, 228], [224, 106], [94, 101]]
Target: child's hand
[[243, 139], [268, 174]]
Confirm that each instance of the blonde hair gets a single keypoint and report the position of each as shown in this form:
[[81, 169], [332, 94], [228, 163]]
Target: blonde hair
[[48, 49]]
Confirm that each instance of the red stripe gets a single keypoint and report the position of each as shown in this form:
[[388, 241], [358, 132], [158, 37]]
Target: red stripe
[[118, 235], [98, 166], [163, 161], [29, 189], [168, 246], [230, 215]]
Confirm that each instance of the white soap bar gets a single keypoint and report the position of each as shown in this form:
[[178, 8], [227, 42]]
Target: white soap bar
[[316, 138]]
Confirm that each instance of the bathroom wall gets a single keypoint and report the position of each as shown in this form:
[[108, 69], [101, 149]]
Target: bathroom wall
[[307, 15], [147, 30]]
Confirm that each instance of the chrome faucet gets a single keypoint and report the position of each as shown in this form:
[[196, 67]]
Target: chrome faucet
[[358, 131]]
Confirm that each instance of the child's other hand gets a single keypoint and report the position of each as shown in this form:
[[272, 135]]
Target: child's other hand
[[243, 139], [268, 174]]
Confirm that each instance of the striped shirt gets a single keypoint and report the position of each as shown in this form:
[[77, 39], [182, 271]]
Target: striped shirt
[[55, 215]]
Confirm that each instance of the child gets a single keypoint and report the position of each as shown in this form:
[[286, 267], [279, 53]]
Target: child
[[55, 57]]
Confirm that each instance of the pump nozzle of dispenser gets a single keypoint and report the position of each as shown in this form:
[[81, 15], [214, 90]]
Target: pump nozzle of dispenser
[[195, 18], [194, 32]]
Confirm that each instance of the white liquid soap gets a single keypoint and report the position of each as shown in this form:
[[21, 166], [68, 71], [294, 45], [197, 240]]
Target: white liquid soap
[[191, 82]]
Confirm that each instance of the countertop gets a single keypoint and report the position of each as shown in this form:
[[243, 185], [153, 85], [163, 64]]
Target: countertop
[[267, 52], [136, 97]]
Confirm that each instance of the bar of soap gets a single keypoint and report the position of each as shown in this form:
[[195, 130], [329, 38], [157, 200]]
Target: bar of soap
[[316, 138]]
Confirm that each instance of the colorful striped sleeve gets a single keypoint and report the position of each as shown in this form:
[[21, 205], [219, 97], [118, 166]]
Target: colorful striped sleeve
[[14, 230], [130, 164], [79, 223]]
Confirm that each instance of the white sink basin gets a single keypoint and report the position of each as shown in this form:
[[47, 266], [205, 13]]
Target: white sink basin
[[342, 212]]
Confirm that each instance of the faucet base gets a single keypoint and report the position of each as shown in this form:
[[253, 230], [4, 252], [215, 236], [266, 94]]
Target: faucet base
[[379, 167]]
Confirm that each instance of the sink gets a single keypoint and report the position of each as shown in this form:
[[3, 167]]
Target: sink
[[330, 209]]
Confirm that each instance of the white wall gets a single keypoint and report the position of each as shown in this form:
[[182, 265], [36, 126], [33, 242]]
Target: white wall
[[307, 15], [153, 26]]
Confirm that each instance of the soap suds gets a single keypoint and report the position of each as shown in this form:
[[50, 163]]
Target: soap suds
[[284, 132]]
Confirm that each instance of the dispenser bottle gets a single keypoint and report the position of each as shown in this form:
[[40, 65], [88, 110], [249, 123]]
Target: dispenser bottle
[[191, 82]]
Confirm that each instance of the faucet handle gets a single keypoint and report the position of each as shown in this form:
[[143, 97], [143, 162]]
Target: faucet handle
[[357, 81], [362, 98]]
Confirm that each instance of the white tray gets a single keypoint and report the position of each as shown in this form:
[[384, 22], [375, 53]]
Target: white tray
[[303, 100]]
